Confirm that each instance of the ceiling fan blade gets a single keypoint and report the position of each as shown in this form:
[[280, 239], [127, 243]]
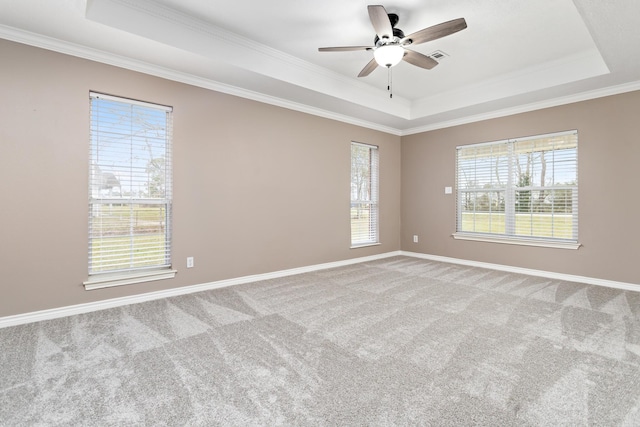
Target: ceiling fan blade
[[435, 32], [344, 48], [419, 60], [380, 21], [368, 68]]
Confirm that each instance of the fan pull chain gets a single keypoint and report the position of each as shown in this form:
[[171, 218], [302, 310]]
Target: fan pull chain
[[389, 83]]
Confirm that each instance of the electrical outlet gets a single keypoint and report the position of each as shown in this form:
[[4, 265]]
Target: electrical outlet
[[415, 238], [448, 190], [190, 262]]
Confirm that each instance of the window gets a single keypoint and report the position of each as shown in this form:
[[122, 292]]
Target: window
[[521, 190], [364, 194], [129, 192]]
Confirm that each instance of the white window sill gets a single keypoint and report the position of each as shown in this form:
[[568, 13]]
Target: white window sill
[[119, 279], [364, 245], [517, 241]]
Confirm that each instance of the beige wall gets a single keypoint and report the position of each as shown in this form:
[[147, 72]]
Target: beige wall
[[609, 199], [244, 201], [257, 188]]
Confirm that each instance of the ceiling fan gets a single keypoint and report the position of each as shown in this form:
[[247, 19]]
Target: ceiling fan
[[390, 42]]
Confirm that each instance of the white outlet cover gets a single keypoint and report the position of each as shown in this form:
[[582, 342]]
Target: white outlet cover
[[448, 190]]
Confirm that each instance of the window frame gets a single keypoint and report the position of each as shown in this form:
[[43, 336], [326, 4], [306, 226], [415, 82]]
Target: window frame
[[511, 190], [371, 233], [136, 271]]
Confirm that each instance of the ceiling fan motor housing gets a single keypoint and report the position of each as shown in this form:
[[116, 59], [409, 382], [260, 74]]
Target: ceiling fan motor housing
[[393, 19], [398, 35]]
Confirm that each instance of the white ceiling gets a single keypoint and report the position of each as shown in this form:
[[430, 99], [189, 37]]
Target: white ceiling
[[515, 55]]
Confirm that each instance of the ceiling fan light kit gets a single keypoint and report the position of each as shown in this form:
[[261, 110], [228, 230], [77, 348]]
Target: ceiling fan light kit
[[390, 43], [388, 55]]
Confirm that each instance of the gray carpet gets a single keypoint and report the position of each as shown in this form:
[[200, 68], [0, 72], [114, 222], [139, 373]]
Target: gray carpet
[[399, 341]]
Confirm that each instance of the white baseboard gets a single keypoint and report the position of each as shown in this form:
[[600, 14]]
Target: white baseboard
[[529, 271], [71, 310]]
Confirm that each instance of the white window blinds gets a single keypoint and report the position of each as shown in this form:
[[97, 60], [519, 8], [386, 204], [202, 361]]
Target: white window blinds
[[364, 194], [522, 188], [129, 185]]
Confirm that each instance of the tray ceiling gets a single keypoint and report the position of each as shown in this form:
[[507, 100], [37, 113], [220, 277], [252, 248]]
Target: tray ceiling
[[514, 56]]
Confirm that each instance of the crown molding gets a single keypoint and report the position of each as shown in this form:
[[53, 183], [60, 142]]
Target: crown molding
[[580, 66], [83, 52], [555, 102], [173, 28], [76, 50], [176, 17]]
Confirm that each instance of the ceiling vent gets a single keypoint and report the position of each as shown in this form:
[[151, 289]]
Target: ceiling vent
[[439, 55]]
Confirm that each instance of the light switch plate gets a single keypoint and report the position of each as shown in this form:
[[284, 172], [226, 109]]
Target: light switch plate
[[448, 190]]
